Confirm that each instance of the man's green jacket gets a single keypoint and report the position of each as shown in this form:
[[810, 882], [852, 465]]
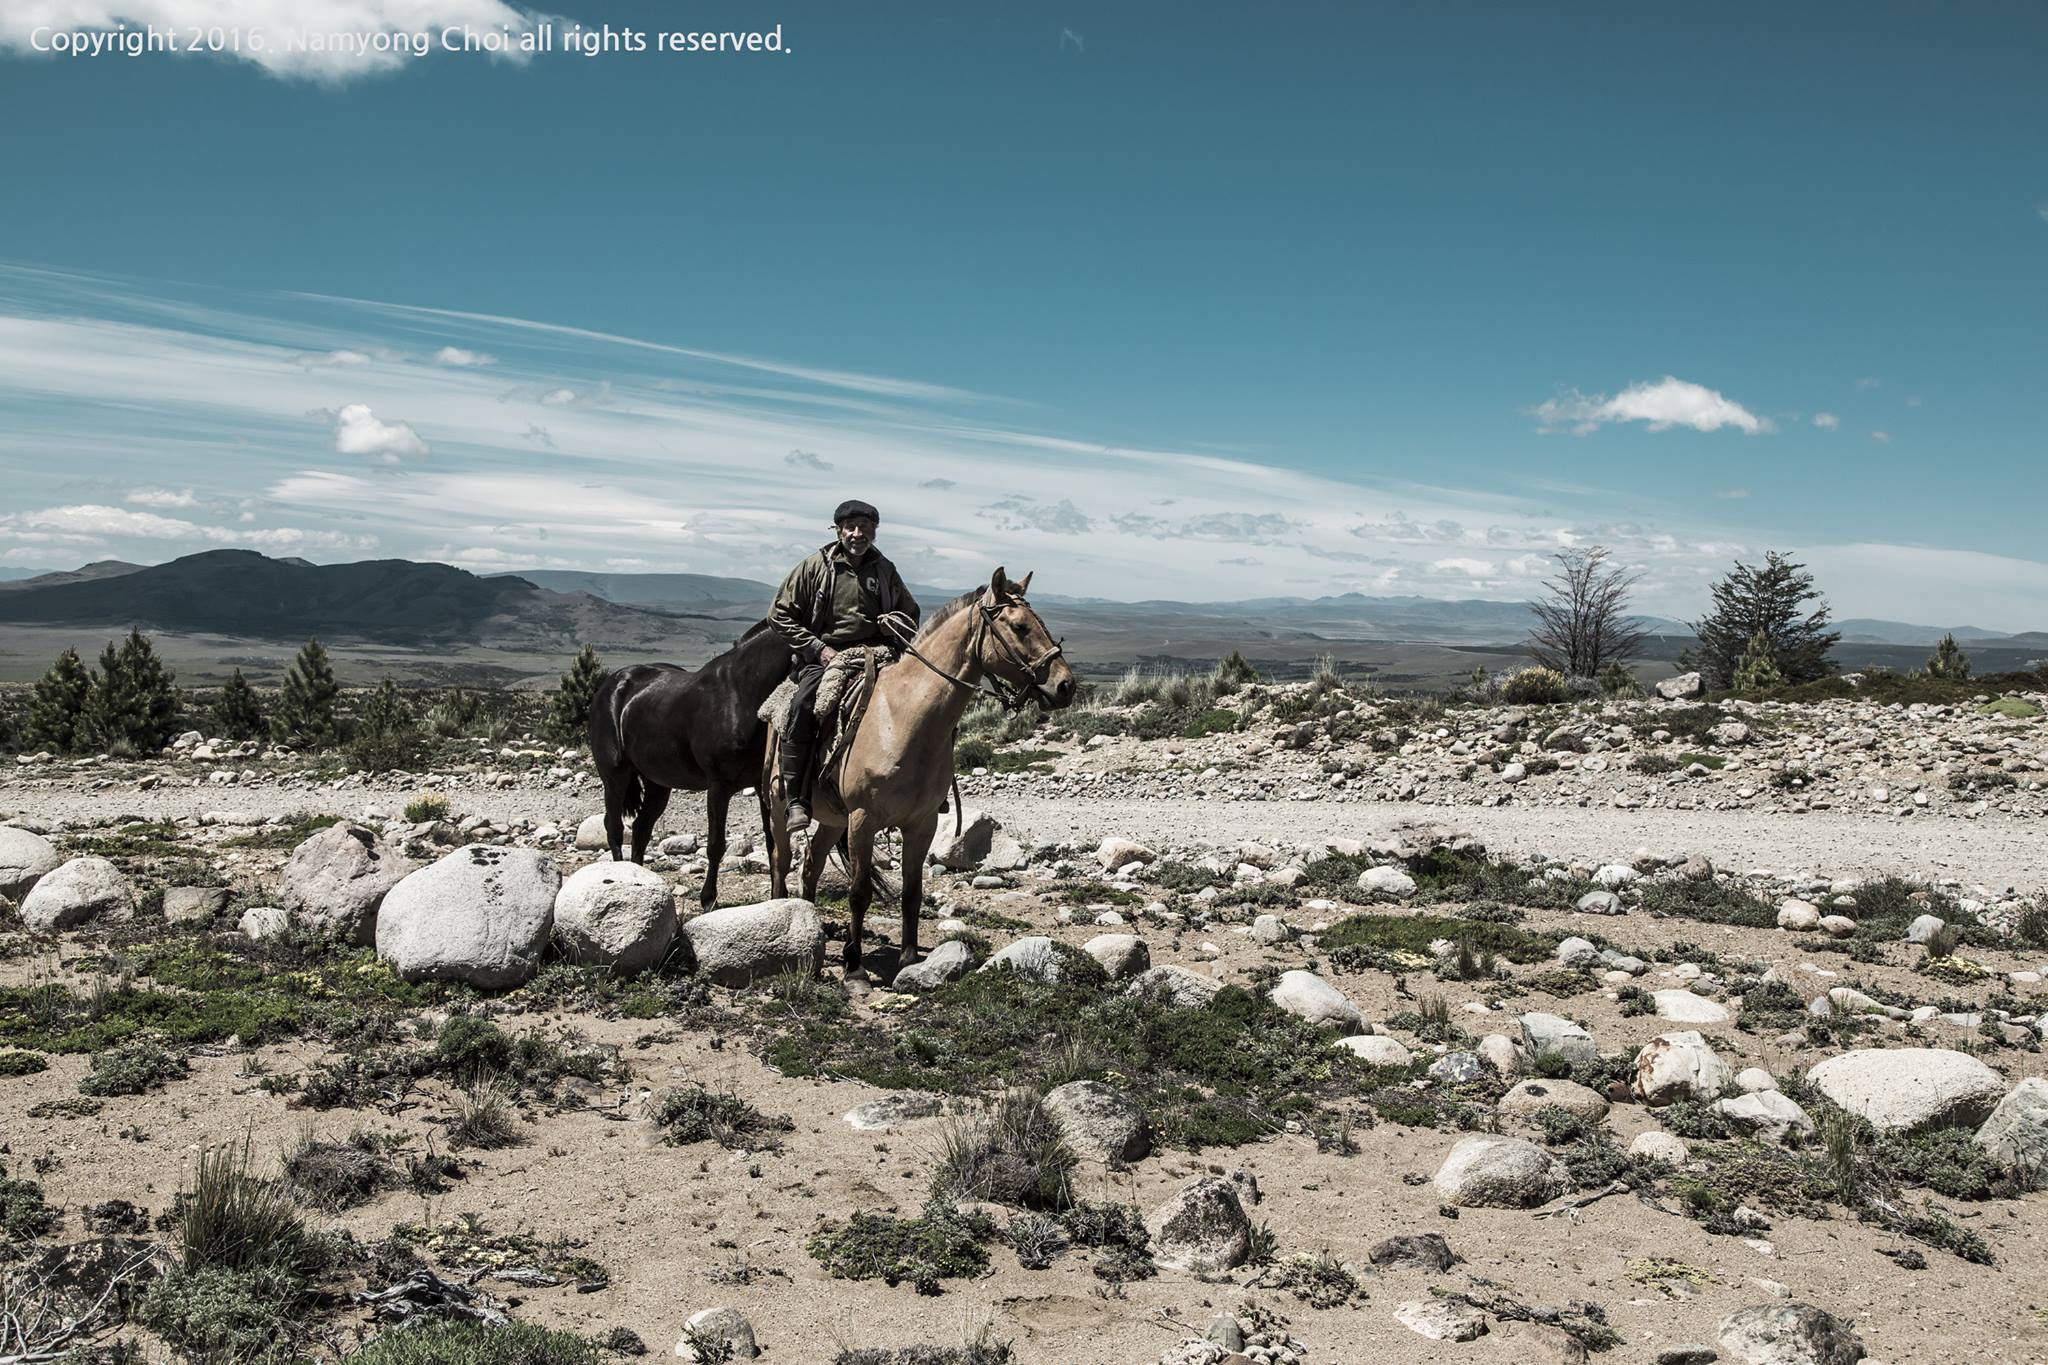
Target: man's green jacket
[[828, 600]]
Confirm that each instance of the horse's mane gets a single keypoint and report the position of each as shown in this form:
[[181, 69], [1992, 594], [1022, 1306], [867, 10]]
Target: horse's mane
[[945, 611]]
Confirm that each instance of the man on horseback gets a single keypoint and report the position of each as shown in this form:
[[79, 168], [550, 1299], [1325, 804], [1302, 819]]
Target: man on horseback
[[837, 598]]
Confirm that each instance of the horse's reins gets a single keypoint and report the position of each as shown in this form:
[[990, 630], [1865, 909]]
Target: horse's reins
[[1011, 696]]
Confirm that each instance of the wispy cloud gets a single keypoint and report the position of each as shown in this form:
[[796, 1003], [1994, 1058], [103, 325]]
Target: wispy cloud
[[1660, 404], [461, 358], [161, 497], [1883, 438], [806, 459], [684, 465], [1732, 494], [1826, 421]]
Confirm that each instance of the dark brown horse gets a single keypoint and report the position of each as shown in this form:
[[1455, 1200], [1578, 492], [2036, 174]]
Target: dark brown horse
[[657, 728]]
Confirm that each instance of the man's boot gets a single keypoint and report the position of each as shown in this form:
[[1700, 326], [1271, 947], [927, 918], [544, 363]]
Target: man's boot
[[795, 759]]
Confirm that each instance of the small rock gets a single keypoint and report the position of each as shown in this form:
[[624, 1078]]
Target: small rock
[[1789, 1334], [715, 1325], [1100, 1122], [1500, 1172], [1442, 1319], [1307, 996]]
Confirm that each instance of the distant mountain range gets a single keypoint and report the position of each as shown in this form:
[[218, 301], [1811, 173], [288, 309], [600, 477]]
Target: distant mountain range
[[245, 595]]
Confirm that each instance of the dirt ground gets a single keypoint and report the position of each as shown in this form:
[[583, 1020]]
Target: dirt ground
[[671, 1223]]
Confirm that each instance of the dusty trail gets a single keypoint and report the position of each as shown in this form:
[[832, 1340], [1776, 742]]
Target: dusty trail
[[1997, 851]]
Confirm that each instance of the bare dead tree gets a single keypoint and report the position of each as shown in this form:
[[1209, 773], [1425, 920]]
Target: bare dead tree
[[1582, 621]]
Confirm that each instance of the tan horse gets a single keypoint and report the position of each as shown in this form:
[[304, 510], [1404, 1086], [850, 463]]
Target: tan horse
[[897, 769]]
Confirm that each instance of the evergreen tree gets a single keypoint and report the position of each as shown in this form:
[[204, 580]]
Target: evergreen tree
[[132, 707], [1768, 600], [57, 704], [1949, 661], [385, 736], [569, 712], [237, 714], [305, 708], [1757, 670]]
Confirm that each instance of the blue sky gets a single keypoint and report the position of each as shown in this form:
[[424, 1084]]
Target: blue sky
[[1186, 300]]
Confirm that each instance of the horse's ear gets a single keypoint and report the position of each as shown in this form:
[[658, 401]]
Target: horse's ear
[[1025, 586], [995, 585]]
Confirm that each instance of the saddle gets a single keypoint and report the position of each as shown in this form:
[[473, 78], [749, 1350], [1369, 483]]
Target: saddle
[[843, 695]]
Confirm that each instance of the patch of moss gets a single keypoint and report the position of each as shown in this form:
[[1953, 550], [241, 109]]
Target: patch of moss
[[2010, 708]]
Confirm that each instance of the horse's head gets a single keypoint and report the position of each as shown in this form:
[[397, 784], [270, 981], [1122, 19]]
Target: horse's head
[[1020, 650]]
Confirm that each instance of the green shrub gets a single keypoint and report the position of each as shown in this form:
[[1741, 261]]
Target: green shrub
[[1948, 661], [227, 1315], [422, 809], [2010, 708], [1535, 686], [941, 1243], [973, 752], [385, 736], [692, 1113], [469, 1343], [484, 1118], [23, 1214], [1013, 1154], [131, 1068], [22, 1063]]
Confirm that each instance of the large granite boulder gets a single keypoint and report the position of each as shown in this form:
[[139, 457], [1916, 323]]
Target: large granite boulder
[[78, 892], [742, 944], [479, 916], [1910, 1089], [335, 882], [1202, 1229], [617, 915], [1099, 1122], [1500, 1172], [25, 858]]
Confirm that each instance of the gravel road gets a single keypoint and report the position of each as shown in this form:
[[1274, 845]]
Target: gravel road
[[1997, 851]]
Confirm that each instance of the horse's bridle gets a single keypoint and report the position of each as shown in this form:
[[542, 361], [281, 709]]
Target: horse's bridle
[[1011, 696]]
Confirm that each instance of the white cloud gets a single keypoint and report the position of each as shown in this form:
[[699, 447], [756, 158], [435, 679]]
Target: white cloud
[[1471, 568], [1868, 383], [559, 398], [1883, 438], [461, 359], [340, 357], [358, 432], [1662, 404], [161, 497], [330, 41], [89, 523], [1732, 494], [1827, 421]]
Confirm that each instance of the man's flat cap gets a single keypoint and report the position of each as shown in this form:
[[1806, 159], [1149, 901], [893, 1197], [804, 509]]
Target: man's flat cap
[[854, 507]]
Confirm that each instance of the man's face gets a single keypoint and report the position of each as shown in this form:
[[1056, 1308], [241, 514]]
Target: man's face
[[856, 534]]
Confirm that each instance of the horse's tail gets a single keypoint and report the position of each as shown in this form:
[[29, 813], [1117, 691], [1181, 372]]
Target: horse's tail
[[607, 735]]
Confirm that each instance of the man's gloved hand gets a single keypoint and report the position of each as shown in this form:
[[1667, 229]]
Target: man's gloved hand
[[826, 654]]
